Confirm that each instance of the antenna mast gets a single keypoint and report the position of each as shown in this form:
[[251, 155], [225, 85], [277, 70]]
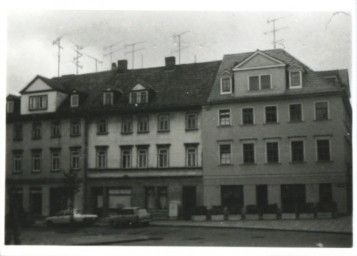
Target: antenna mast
[[57, 42], [275, 42], [76, 59], [111, 51], [95, 60], [133, 50], [179, 47]]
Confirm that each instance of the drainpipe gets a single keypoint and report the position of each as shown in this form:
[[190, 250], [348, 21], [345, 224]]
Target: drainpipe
[[85, 164]]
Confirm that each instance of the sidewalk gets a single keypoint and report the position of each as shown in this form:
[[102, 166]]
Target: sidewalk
[[338, 225]]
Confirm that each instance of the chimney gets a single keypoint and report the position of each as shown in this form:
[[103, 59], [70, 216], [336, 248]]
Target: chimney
[[114, 66], [170, 63], [122, 66]]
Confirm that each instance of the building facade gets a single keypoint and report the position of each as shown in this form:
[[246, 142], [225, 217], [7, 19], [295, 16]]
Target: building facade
[[277, 133]]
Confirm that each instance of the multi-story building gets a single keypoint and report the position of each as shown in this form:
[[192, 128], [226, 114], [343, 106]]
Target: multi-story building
[[137, 137], [276, 132]]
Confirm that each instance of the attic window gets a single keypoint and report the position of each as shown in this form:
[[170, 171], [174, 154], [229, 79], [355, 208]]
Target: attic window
[[139, 97], [107, 98], [10, 106], [38, 102], [74, 100], [226, 85], [295, 78]]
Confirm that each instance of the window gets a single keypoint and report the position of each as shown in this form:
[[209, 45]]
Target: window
[[191, 121], [247, 116], [226, 85], [224, 117], [127, 125], [17, 132], [143, 124], [272, 152], [156, 197], [55, 160], [262, 82], [38, 102], [75, 158], [75, 127], [225, 153], [101, 161], [36, 130], [323, 150], [10, 106], [102, 126], [297, 151], [74, 100], [271, 115], [126, 157], [248, 153], [139, 97], [36, 161], [17, 156], [295, 79], [163, 157], [142, 157], [107, 98], [295, 112], [55, 129], [321, 110], [163, 123], [191, 155]]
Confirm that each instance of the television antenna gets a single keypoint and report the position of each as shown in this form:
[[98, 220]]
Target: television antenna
[[275, 42], [179, 47], [57, 42]]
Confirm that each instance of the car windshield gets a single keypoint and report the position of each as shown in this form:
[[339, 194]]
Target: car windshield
[[142, 211]]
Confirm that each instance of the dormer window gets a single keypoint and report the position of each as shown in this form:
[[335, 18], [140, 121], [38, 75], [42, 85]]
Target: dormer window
[[226, 85], [139, 97], [38, 102], [10, 106], [74, 100], [261, 82], [107, 98], [295, 78]]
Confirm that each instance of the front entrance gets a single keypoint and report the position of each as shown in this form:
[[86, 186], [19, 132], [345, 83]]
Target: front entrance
[[291, 196], [262, 195], [58, 200], [188, 201], [36, 201]]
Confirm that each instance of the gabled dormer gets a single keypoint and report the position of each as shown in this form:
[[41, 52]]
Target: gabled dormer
[[140, 93], [109, 96], [258, 60], [41, 95], [74, 99], [226, 82], [295, 73], [12, 104]]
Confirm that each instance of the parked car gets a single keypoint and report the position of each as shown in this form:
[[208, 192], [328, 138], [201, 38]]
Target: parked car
[[130, 216], [63, 218]]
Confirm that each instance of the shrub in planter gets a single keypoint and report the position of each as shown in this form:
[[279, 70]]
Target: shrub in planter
[[216, 213], [236, 213], [290, 212], [326, 210], [306, 211], [200, 213], [270, 212], [252, 212]]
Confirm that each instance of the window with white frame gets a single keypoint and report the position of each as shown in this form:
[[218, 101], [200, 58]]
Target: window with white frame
[[295, 79], [143, 123], [272, 152], [126, 157], [321, 111], [271, 114], [127, 125], [55, 160], [75, 127], [297, 151], [162, 156], [226, 85], [138, 97], [10, 106], [36, 160], [102, 126], [156, 197], [101, 161], [224, 117], [74, 100], [75, 158], [108, 98], [261, 82], [191, 121], [38, 102], [248, 153], [247, 116], [225, 154], [36, 130], [323, 149], [17, 158], [55, 129], [142, 155], [163, 123], [295, 112], [191, 155]]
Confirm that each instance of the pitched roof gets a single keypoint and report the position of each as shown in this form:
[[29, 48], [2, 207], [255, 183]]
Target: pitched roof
[[51, 83], [311, 79]]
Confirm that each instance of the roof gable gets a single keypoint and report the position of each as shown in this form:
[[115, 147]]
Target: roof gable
[[138, 87], [258, 60], [37, 84]]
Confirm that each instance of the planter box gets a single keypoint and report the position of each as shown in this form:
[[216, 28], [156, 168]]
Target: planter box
[[304, 216], [217, 217], [324, 215], [235, 217], [288, 216], [270, 216], [198, 217], [252, 216]]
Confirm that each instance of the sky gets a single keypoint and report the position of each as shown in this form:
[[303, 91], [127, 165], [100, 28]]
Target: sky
[[321, 40]]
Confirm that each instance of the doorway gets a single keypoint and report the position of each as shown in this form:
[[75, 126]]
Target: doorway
[[261, 195], [188, 201], [291, 196]]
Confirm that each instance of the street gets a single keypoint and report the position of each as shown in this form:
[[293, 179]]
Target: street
[[188, 236]]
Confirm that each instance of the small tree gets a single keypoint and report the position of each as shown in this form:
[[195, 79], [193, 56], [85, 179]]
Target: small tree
[[71, 186]]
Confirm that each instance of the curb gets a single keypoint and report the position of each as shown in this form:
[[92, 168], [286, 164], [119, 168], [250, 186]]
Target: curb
[[119, 241]]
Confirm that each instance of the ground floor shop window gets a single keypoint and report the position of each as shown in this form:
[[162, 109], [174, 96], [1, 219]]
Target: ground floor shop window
[[325, 192], [156, 197], [232, 197], [119, 198], [291, 196], [36, 201]]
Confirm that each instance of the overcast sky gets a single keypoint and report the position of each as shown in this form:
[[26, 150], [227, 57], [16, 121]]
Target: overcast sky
[[321, 40]]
